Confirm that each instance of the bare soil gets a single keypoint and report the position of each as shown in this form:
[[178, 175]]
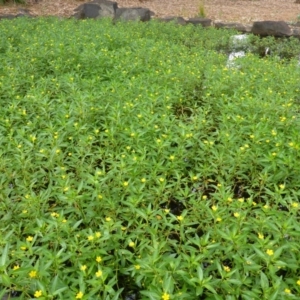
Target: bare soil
[[244, 11]]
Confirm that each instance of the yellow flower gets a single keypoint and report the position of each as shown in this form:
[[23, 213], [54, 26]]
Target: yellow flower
[[281, 186], [266, 206], [204, 197], [29, 238], [137, 267], [79, 295], [23, 248], [131, 244], [99, 273], [214, 208], [226, 268], [161, 179], [33, 274], [98, 234], [236, 214], [218, 219], [287, 291], [100, 196], [64, 221], [295, 204], [270, 252], [165, 296], [143, 180], [125, 183], [16, 267], [298, 282], [195, 178], [166, 210], [98, 259], [172, 157], [229, 199], [90, 237], [179, 218], [83, 268], [108, 219], [38, 294], [260, 236], [241, 200]]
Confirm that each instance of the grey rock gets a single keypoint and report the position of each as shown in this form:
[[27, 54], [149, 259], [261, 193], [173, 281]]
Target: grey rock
[[133, 14], [271, 28], [238, 26], [204, 22], [295, 32], [96, 9], [8, 17], [177, 20]]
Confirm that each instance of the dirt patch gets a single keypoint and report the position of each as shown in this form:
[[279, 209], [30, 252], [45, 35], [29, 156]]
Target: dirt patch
[[244, 11]]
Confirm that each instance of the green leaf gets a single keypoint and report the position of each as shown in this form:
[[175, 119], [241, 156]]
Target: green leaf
[[260, 253], [168, 283], [77, 224], [200, 273], [264, 282], [150, 294], [4, 255], [210, 288], [199, 290], [5, 280], [274, 296]]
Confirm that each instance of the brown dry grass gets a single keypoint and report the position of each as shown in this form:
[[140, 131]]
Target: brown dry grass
[[245, 11]]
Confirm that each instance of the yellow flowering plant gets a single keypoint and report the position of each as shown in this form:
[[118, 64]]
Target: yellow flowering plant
[[136, 164]]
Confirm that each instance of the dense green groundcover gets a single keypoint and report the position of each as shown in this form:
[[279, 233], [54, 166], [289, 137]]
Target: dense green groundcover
[[136, 165]]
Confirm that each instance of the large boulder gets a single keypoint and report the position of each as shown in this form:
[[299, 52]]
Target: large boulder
[[204, 22], [133, 14], [96, 9], [271, 28]]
